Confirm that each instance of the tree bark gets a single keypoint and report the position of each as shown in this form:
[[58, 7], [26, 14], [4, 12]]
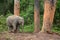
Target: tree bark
[[49, 11], [16, 7], [36, 16]]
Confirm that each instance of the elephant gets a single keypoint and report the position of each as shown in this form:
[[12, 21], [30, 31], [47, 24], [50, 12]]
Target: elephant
[[13, 22]]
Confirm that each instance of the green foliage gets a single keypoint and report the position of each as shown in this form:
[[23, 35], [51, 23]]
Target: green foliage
[[2, 23], [57, 17], [26, 7]]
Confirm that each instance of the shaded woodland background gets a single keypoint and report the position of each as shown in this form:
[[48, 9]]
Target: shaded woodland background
[[27, 11]]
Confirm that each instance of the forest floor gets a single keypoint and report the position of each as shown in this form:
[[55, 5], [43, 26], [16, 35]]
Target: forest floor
[[29, 36]]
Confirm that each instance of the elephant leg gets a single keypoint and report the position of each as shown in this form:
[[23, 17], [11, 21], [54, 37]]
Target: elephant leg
[[10, 28], [17, 28], [14, 28]]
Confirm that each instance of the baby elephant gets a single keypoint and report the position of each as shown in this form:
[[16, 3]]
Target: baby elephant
[[14, 22]]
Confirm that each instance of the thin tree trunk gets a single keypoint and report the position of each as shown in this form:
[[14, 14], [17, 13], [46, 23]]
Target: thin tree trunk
[[36, 16], [49, 11], [4, 9], [16, 7]]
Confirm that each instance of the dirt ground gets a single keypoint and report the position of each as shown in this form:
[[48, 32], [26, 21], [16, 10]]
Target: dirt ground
[[29, 36]]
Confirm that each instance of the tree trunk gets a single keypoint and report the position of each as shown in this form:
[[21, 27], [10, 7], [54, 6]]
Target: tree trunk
[[36, 16], [16, 7], [4, 9], [49, 11]]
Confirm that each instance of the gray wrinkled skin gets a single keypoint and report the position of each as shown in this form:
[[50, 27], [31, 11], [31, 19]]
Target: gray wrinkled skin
[[14, 22]]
